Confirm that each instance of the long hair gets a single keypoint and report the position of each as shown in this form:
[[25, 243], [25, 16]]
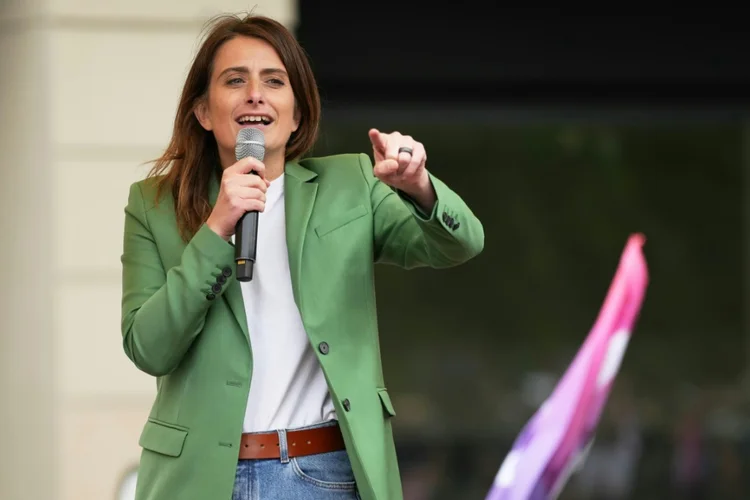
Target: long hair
[[192, 156]]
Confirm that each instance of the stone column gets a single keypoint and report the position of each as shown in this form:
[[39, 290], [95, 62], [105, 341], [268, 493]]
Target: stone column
[[87, 95], [28, 396]]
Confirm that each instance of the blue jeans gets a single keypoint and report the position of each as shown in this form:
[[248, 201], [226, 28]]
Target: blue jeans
[[325, 476]]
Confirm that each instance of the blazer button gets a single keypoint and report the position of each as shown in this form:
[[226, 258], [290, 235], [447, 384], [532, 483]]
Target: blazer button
[[346, 404], [323, 347], [216, 288], [227, 271], [210, 296], [221, 279]]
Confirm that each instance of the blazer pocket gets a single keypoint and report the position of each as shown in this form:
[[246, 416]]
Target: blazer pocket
[[385, 399], [340, 220], [163, 438]]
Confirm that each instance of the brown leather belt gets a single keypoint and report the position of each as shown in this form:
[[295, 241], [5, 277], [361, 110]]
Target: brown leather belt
[[299, 443]]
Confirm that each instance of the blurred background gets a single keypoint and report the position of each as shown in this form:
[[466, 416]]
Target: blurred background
[[564, 130]]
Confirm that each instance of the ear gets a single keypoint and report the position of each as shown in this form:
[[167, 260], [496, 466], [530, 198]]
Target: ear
[[204, 118]]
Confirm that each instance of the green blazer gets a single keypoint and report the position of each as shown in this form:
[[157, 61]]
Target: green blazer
[[183, 326]]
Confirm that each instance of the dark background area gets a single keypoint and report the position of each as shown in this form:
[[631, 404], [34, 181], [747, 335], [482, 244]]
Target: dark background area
[[479, 52], [565, 131]]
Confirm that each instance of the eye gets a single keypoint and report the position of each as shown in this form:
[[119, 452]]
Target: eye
[[235, 81], [276, 81]]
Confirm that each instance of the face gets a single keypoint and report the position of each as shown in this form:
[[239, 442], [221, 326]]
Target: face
[[249, 87]]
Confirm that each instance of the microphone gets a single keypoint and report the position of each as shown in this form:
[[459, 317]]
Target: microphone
[[250, 142]]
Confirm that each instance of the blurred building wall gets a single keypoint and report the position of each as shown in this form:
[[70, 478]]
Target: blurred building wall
[[88, 95]]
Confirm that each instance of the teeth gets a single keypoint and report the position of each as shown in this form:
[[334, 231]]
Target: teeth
[[252, 119]]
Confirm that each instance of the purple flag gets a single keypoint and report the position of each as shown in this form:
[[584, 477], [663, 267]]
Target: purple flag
[[555, 441]]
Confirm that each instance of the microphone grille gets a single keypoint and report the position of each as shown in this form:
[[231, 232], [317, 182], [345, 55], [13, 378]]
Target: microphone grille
[[250, 142]]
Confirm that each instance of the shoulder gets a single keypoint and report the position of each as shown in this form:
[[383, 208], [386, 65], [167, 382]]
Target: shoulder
[[345, 166], [150, 192], [319, 164]]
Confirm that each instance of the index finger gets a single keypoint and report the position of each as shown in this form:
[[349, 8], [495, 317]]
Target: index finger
[[378, 139]]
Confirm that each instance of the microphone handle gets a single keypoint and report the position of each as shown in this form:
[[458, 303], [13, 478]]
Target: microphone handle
[[245, 244]]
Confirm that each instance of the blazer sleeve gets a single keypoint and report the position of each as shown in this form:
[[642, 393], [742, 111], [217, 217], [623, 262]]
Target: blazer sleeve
[[407, 237], [164, 311]]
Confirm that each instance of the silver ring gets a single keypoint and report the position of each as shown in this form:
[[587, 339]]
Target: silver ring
[[404, 149]]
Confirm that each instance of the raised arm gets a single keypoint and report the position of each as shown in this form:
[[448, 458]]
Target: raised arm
[[419, 220]]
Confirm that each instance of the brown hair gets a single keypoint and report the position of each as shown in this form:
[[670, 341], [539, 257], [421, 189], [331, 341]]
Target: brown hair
[[192, 152]]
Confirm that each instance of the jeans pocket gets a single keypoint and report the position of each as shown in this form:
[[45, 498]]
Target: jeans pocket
[[331, 470]]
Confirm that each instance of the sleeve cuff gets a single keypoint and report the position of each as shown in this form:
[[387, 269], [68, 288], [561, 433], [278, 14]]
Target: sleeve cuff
[[414, 207], [213, 246]]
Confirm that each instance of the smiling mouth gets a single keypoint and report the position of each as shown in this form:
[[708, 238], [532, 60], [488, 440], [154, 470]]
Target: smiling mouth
[[254, 120]]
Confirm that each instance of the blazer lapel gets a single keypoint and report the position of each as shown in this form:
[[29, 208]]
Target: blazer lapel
[[299, 198], [233, 292]]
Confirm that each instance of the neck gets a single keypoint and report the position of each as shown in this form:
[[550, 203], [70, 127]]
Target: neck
[[274, 166]]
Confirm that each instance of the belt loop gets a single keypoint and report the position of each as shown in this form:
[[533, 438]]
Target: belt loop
[[283, 446]]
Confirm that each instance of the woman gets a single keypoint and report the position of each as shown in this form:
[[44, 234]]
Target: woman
[[272, 388]]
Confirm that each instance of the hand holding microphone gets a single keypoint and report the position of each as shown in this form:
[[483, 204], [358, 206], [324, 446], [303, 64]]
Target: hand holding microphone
[[242, 196], [240, 192]]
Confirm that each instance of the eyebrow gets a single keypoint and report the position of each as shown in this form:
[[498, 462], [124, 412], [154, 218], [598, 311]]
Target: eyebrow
[[243, 70]]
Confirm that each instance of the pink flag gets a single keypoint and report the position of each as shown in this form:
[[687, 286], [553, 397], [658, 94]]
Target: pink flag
[[555, 441]]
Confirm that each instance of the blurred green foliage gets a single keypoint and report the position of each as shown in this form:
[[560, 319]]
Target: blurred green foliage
[[558, 200]]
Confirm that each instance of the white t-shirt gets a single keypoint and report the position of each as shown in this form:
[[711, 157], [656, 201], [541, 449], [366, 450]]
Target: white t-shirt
[[288, 388]]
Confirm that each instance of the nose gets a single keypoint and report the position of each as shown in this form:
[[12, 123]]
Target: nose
[[254, 94]]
